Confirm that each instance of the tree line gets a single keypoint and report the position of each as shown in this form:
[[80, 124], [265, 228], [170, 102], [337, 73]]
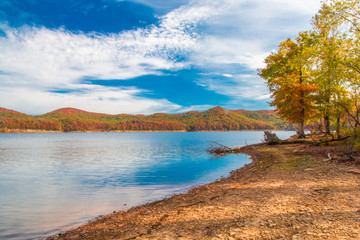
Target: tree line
[[215, 119], [314, 79]]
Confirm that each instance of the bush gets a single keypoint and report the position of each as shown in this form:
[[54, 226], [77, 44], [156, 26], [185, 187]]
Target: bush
[[271, 138], [356, 147]]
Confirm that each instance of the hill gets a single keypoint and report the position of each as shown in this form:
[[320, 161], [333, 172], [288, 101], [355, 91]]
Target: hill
[[71, 119]]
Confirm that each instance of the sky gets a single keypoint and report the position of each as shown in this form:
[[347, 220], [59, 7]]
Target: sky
[[142, 56]]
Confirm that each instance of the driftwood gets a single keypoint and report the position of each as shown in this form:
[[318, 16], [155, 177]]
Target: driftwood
[[218, 149], [271, 138]]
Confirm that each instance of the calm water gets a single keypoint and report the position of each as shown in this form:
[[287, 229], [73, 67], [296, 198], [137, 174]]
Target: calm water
[[52, 182]]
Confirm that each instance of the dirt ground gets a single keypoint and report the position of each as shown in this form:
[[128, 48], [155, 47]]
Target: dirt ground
[[295, 191]]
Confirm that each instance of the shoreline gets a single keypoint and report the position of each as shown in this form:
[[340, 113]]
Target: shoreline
[[276, 196], [119, 131]]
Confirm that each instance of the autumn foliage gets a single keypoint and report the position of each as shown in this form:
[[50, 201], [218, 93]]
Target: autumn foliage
[[215, 119], [315, 78]]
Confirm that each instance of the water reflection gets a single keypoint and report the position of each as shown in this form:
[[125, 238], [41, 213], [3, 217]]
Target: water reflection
[[51, 182]]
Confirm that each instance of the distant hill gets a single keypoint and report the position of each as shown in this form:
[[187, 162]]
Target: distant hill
[[214, 119]]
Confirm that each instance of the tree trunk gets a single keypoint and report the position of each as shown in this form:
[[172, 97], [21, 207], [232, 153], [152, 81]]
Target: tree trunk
[[301, 133], [327, 124], [300, 130], [338, 125]]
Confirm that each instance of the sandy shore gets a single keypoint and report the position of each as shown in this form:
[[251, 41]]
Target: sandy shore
[[288, 192]]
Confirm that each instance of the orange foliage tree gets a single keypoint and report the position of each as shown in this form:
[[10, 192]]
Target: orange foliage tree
[[288, 76]]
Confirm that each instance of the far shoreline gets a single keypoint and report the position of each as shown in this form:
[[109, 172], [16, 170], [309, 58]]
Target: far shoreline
[[132, 131]]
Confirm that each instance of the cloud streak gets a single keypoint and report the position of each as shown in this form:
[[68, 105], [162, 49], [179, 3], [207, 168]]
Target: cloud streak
[[91, 98]]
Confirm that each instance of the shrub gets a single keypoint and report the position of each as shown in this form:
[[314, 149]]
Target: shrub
[[271, 138]]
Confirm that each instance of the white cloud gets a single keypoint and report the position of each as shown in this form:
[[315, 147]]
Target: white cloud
[[34, 61], [51, 56], [92, 98], [245, 31], [219, 50], [161, 4], [241, 37], [194, 108], [238, 88], [228, 75], [58, 56], [211, 33]]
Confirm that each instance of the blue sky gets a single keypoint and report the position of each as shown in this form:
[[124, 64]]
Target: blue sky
[[141, 56]]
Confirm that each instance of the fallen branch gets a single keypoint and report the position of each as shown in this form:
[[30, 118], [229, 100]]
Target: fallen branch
[[218, 149], [223, 150], [317, 143]]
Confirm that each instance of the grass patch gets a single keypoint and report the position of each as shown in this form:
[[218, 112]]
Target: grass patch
[[283, 158]]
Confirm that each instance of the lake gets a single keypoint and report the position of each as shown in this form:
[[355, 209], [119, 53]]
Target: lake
[[50, 182]]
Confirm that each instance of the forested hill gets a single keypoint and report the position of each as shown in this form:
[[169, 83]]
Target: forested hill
[[214, 119]]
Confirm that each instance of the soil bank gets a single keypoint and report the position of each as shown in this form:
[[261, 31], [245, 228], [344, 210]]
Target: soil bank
[[295, 191]]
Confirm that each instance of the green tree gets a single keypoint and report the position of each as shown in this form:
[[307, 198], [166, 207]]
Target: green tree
[[329, 43]]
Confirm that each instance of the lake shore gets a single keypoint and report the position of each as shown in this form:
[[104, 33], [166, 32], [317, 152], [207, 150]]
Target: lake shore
[[131, 131], [290, 191]]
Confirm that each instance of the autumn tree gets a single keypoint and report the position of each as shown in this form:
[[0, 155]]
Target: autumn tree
[[329, 45], [345, 16], [289, 79], [317, 75], [337, 31]]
